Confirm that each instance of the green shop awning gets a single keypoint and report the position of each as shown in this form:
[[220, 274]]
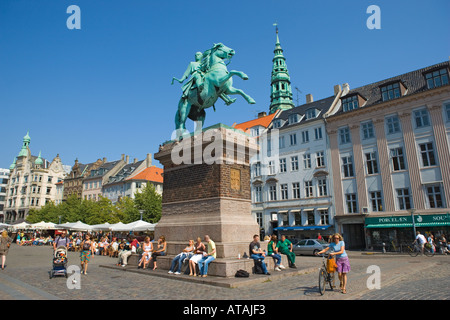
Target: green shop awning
[[420, 220], [390, 225]]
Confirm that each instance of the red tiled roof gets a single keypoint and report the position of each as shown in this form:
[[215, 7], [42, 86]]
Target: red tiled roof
[[150, 174], [262, 121]]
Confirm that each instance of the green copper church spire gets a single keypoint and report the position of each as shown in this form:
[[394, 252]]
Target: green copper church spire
[[281, 92], [26, 142]]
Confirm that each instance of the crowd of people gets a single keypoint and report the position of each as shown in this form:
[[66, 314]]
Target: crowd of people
[[439, 245]]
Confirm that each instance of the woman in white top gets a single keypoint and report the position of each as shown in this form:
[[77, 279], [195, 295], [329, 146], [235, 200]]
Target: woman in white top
[[198, 255], [147, 248]]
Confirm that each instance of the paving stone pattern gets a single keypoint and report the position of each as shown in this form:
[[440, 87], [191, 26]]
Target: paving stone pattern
[[26, 277]]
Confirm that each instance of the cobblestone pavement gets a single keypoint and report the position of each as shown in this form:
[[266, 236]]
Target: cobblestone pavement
[[26, 277]]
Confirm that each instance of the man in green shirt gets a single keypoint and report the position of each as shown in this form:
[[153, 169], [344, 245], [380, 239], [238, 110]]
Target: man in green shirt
[[285, 247]]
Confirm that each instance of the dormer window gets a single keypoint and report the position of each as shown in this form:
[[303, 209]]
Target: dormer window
[[294, 118], [311, 114], [392, 91], [277, 123], [437, 78], [350, 103], [255, 132]]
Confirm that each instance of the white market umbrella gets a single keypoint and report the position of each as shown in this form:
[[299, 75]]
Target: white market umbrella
[[80, 226], [22, 225], [116, 225], [77, 226], [139, 225], [4, 225], [66, 225], [44, 225], [101, 227]]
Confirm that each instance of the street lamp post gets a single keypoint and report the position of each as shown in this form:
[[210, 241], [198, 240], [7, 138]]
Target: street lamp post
[[141, 212], [412, 210]]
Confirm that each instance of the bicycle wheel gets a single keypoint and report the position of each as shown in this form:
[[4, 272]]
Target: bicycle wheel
[[413, 252], [331, 280], [322, 280], [428, 252]]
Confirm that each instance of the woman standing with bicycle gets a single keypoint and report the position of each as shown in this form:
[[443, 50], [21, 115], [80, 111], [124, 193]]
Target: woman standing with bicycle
[[337, 247]]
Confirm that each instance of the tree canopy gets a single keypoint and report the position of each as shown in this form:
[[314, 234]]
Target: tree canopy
[[126, 210]]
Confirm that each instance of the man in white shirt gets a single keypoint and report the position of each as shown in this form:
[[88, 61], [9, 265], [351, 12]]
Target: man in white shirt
[[421, 240]]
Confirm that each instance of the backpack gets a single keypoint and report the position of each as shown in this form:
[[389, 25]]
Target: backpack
[[242, 274], [257, 269]]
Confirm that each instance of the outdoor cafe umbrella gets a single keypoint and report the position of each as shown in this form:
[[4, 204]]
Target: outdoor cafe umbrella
[[115, 225], [4, 225], [76, 226], [44, 225], [22, 225], [139, 225], [101, 227]]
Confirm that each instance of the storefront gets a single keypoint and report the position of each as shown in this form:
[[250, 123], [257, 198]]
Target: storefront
[[305, 232], [396, 230]]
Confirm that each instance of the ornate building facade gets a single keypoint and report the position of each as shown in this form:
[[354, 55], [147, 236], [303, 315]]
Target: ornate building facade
[[32, 183]]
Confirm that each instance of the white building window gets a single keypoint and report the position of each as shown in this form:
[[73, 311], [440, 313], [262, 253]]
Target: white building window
[[367, 130], [352, 205], [392, 124], [307, 161], [322, 187], [434, 195], [284, 191], [272, 193], [404, 200], [296, 190], [347, 166], [344, 135], [294, 163], [320, 159], [427, 153], [398, 159], [308, 189], [283, 167], [371, 163], [305, 136], [421, 118], [318, 133], [376, 200]]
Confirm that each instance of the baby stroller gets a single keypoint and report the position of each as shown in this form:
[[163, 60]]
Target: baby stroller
[[59, 264]]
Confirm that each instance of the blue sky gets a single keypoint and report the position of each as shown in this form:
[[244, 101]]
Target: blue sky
[[105, 90]]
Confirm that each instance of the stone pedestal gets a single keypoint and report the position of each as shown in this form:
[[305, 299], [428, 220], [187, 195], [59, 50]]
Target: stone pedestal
[[206, 191]]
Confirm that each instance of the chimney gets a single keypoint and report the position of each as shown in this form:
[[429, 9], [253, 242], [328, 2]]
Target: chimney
[[262, 114], [309, 98], [123, 157], [104, 159], [337, 89], [135, 160], [127, 159], [149, 160]]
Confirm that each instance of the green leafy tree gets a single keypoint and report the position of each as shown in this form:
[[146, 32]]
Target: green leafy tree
[[126, 210], [150, 202]]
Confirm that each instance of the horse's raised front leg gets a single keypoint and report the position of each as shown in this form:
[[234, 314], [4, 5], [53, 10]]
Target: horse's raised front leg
[[232, 90], [240, 74]]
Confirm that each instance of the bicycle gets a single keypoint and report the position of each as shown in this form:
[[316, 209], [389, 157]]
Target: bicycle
[[324, 277], [414, 250]]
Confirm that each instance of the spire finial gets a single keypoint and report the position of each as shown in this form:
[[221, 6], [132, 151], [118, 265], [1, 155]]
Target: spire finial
[[276, 27]]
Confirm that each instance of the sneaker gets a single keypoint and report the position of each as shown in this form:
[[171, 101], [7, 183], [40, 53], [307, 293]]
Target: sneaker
[[170, 272], [177, 272], [277, 269], [124, 265], [267, 274], [282, 267]]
